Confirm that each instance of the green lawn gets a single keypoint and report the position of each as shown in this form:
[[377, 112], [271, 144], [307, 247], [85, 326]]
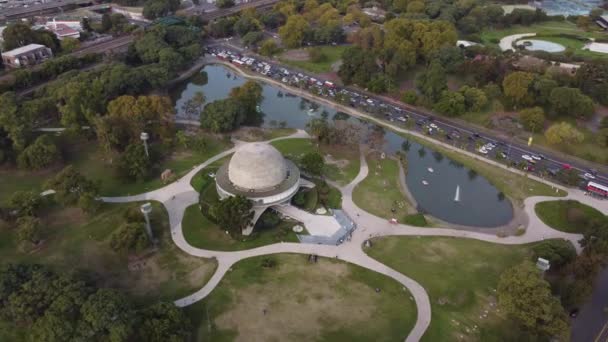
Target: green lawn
[[73, 240], [550, 31], [379, 192], [202, 233], [301, 301], [332, 55], [342, 162], [93, 163], [460, 276], [567, 215]]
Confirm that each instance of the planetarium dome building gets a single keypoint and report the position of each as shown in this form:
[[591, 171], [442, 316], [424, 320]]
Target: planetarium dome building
[[259, 172]]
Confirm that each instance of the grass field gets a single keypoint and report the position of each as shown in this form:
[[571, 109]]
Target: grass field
[[93, 163], [301, 301], [342, 162], [332, 54], [460, 276], [379, 192], [202, 233], [567, 215], [550, 31], [75, 241]]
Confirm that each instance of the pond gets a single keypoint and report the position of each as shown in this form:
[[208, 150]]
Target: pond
[[540, 45], [479, 204]]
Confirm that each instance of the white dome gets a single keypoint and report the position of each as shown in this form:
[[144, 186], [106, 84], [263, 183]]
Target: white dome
[[257, 166]]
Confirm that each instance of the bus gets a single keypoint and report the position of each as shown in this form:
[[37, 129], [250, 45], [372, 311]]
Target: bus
[[598, 189]]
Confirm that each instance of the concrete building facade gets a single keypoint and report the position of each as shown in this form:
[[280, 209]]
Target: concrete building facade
[[26, 56]]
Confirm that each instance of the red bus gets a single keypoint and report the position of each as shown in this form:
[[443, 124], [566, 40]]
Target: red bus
[[597, 189]]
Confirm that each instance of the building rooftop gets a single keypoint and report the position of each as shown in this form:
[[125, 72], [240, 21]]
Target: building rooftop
[[23, 50], [257, 166], [293, 176]]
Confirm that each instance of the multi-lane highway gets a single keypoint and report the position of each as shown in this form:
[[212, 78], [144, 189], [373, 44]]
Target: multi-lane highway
[[396, 113]]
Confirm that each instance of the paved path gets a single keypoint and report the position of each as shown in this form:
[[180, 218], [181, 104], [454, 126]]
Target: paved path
[[506, 43], [319, 225], [177, 196]]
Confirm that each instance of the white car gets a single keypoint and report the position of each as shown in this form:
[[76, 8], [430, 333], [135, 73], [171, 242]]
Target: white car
[[483, 151], [527, 157], [535, 157], [587, 175], [433, 126]]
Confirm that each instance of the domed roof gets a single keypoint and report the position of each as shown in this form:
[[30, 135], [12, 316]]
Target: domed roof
[[257, 166]]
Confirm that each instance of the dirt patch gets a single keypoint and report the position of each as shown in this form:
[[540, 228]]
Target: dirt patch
[[321, 296], [299, 55], [66, 217], [341, 163]]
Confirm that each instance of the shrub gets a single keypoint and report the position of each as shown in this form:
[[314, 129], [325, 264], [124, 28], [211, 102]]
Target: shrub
[[409, 97]]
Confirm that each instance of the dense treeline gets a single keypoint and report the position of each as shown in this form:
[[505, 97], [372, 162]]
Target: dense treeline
[[69, 306]]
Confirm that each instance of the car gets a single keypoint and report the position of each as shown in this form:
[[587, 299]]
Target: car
[[433, 126], [527, 157], [419, 122], [535, 157], [476, 135], [588, 176], [504, 155], [482, 150]]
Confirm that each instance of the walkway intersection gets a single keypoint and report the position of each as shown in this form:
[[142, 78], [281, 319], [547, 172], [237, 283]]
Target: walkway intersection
[[179, 195]]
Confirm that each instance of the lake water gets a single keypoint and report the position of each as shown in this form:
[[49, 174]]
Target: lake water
[[480, 203], [541, 45]]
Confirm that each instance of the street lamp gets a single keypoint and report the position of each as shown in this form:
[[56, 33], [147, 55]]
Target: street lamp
[[144, 137], [146, 209]]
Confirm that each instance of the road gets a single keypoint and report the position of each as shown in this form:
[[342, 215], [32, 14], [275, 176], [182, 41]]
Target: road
[[515, 150]]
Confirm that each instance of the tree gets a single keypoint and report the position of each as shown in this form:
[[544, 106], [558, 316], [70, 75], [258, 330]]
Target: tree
[[70, 185], [415, 7], [12, 121], [584, 22], [69, 44], [432, 82], [134, 164], [601, 137], [107, 313], [358, 66], [20, 34], [526, 296], [129, 116], [159, 8], [28, 229], [24, 203], [130, 236], [194, 105], [106, 22], [409, 97], [252, 39], [474, 98], [39, 155], [163, 322], [450, 103], [221, 116], [224, 3], [533, 119], [293, 32], [248, 97], [563, 132], [516, 87], [85, 23], [570, 101], [269, 47], [558, 252], [592, 79], [233, 214], [313, 163]]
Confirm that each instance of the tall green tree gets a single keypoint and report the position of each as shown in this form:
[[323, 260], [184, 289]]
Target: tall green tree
[[39, 155], [133, 164], [70, 185], [293, 32], [526, 296], [432, 82], [233, 214], [313, 163], [28, 229], [571, 102], [533, 119], [516, 87]]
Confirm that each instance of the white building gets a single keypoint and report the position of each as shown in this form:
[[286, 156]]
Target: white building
[[26, 56], [260, 173]]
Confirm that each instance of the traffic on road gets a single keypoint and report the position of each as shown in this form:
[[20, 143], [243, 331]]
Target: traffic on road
[[526, 159]]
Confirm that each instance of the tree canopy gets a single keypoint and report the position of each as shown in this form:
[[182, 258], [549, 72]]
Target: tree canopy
[[233, 214]]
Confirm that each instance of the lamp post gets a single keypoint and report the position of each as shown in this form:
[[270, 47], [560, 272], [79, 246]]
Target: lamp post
[[144, 137], [146, 209]]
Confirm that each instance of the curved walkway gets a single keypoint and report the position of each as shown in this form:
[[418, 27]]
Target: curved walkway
[[177, 196], [506, 43]]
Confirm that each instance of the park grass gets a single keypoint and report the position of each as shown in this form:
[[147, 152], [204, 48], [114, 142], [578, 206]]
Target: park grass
[[89, 159], [567, 215], [200, 232], [300, 301], [346, 158], [252, 134], [417, 220], [460, 276], [200, 178], [332, 55], [379, 192], [75, 241], [548, 28]]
